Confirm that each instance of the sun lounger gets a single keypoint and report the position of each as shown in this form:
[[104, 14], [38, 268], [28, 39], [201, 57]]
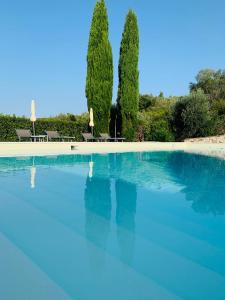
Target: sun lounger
[[88, 137], [104, 137], [24, 134], [54, 135]]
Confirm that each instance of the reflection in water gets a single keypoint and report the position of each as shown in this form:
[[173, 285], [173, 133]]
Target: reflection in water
[[125, 218], [203, 179], [21, 163], [91, 165], [97, 215], [33, 171]]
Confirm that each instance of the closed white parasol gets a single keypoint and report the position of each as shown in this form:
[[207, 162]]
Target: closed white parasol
[[33, 117], [91, 123]]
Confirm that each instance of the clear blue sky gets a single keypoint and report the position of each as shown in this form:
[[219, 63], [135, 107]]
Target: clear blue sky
[[44, 43]]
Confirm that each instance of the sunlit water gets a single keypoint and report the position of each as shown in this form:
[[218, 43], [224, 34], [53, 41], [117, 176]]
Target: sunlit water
[[118, 226]]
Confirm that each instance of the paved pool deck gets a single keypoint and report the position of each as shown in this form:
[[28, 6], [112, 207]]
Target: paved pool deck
[[57, 148]]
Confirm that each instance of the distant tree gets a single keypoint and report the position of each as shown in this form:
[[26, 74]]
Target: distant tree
[[211, 82], [161, 95], [99, 82], [146, 102], [128, 91], [191, 116]]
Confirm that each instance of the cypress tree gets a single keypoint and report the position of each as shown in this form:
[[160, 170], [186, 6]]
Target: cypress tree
[[128, 91], [99, 81]]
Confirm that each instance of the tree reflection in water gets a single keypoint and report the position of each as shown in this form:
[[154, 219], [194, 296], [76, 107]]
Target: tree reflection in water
[[97, 198], [203, 179], [125, 218]]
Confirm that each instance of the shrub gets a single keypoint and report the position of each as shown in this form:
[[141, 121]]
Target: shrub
[[146, 102], [9, 124], [154, 125], [218, 107], [191, 116]]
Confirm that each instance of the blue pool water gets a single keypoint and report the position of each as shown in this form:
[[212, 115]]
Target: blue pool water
[[128, 226]]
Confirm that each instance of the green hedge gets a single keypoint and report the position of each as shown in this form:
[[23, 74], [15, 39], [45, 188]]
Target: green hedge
[[9, 124]]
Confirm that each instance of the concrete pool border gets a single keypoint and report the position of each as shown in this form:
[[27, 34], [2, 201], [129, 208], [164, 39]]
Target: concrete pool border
[[9, 149]]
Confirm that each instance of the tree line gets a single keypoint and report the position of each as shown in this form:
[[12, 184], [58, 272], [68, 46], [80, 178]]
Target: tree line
[[198, 114]]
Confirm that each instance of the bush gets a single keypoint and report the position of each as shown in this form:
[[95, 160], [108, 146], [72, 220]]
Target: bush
[[191, 116], [146, 102], [154, 125], [219, 125], [218, 107], [9, 124], [218, 116]]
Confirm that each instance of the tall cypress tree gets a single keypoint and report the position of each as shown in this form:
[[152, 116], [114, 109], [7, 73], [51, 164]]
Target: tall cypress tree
[[99, 82], [128, 91]]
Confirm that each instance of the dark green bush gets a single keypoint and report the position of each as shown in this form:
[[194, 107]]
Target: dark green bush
[[154, 125], [219, 125], [158, 131], [9, 124], [218, 107], [146, 102], [191, 116]]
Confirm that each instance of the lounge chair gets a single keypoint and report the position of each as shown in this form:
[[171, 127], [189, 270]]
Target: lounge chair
[[24, 134], [88, 137], [106, 137], [54, 135]]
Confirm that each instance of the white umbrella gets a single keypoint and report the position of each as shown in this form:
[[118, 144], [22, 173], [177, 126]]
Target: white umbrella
[[91, 123], [33, 117]]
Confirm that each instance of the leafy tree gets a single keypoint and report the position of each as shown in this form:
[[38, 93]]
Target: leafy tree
[[191, 116], [99, 82], [211, 82], [155, 122], [128, 91], [146, 102]]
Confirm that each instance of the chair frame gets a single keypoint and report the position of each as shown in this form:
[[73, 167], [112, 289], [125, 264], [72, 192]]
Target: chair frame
[[88, 137], [54, 135], [106, 137]]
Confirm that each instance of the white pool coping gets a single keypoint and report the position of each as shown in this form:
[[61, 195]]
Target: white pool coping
[[8, 149]]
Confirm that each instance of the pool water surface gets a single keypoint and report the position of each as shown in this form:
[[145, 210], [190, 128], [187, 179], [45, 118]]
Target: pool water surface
[[131, 226]]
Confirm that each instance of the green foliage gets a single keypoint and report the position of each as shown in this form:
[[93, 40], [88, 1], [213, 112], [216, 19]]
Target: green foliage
[[9, 124], [191, 116], [99, 82], [155, 123], [211, 82], [218, 107], [218, 115], [82, 118], [128, 90], [64, 117], [146, 102]]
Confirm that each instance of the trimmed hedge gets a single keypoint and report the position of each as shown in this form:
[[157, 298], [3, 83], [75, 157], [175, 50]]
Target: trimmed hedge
[[9, 124]]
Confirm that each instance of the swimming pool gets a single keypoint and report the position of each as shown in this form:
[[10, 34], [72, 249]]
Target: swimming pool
[[115, 226]]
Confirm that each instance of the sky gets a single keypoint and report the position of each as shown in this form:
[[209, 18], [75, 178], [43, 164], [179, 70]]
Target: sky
[[44, 45]]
